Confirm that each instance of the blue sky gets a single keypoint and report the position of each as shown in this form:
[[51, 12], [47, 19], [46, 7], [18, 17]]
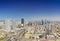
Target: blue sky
[[28, 9]]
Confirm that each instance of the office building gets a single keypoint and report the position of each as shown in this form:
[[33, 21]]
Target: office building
[[22, 22]]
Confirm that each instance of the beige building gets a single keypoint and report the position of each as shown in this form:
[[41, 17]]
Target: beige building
[[8, 24]]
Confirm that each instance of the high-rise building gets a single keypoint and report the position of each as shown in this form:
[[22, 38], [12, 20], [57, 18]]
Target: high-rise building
[[1, 24], [22, 22], [45, 21], [42, 22], [30, 24], [8, 24]]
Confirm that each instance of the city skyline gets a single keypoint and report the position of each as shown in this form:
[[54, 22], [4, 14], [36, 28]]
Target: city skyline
[[16, 9]]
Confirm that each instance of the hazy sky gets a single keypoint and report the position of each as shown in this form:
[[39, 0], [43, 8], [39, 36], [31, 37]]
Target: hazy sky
[[32, 8]]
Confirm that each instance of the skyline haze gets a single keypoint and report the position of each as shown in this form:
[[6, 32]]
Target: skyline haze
[[16, 9]]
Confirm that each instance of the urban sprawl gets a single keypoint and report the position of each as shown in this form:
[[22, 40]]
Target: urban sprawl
[[29, 30]]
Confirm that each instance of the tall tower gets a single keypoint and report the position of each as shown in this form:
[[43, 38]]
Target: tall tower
[[45, 21], [42, 21], [22, 22]]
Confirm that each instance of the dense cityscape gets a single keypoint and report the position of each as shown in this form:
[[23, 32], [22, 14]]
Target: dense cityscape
[[29, 30], [29, 20]]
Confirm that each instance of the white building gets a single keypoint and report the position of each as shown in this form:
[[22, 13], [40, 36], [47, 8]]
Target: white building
[[8, 24]]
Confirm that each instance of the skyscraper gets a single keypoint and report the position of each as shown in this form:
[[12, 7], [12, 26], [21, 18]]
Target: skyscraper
[[22, 22], [42, 21]]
